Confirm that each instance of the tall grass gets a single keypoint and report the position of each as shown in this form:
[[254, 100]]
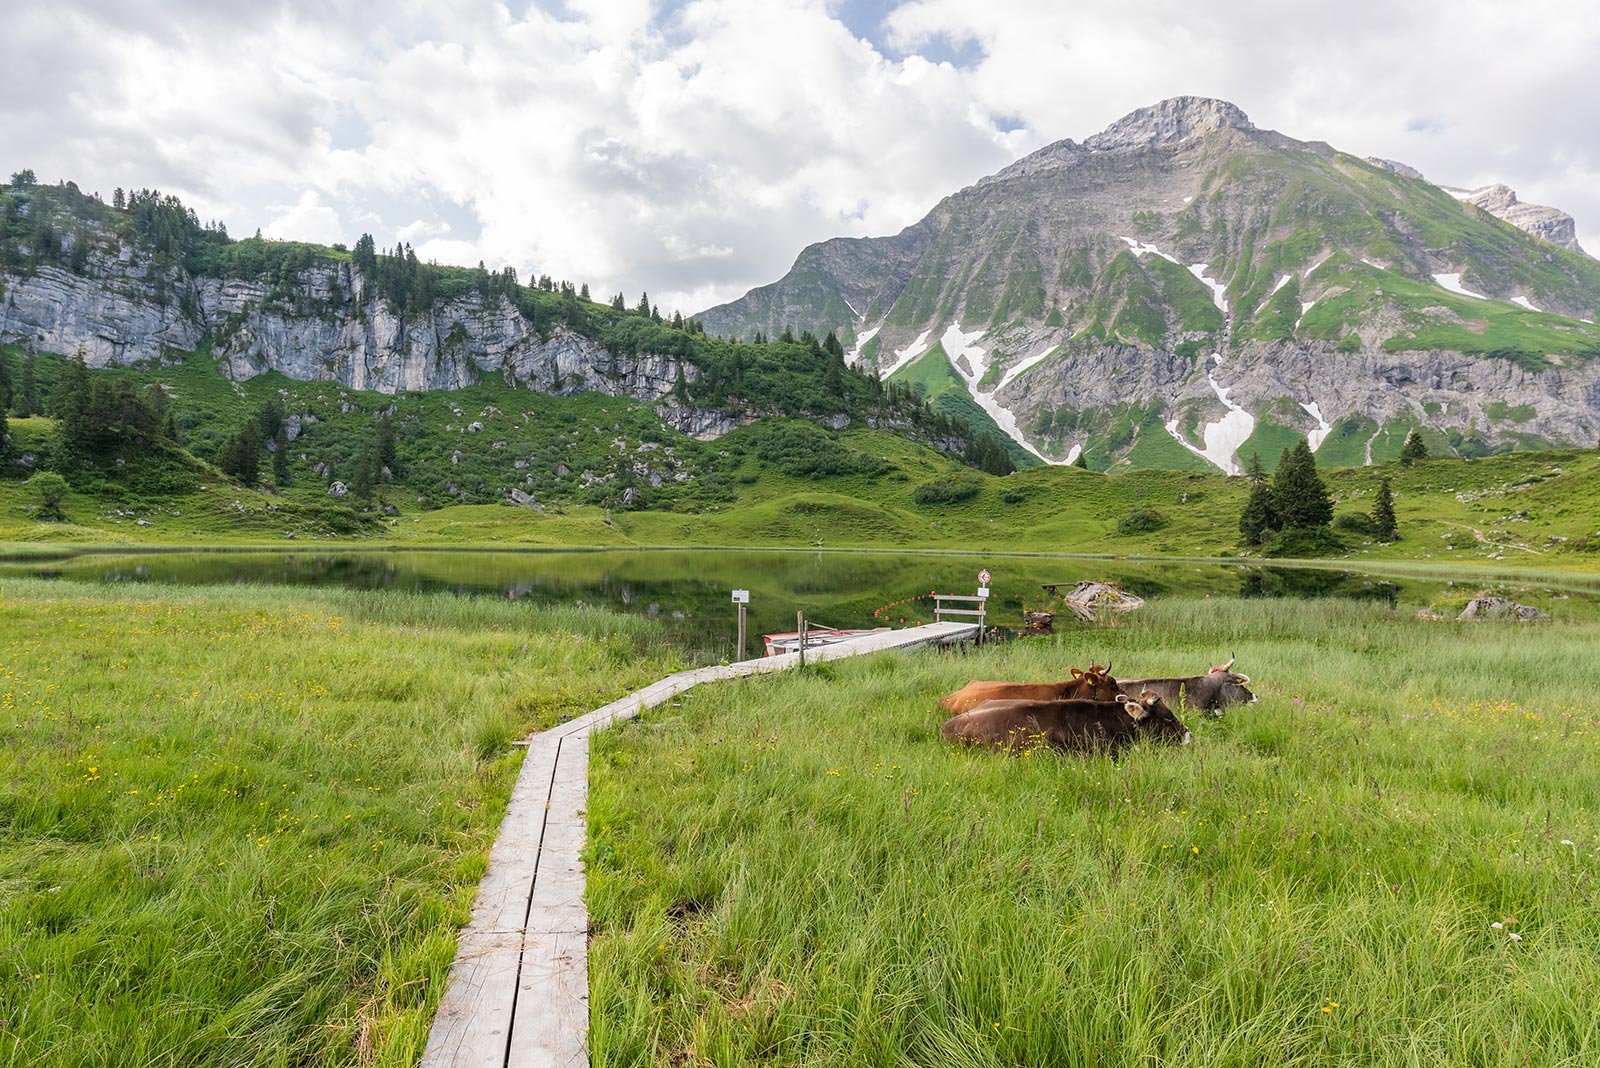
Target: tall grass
[[243, 825], [1315, 881]]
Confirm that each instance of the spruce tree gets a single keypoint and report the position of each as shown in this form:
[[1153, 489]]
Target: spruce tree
[[249, 456], [28, 399], [1082, 461], [1298, 495], [5, 437], [387, 449], [1254, 470], [280, 456], [1383, 511], [5, 382], [366, 474], [1413, 450], [1259, 517]]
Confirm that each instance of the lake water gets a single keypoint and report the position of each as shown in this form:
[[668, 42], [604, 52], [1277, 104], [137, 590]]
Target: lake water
[[690, 590]]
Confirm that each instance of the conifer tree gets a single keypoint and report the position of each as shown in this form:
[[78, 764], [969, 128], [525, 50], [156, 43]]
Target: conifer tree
[[1254, 470], [1383, 512], [5, 437], [1298, 496], [280, 456], [1413, 450], [1259, 517], [28, 395], [1082, 462], [5, 382], [366, 474], [249, 463]]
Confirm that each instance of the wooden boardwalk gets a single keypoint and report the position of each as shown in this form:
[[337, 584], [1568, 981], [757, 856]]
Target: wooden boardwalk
[[519, 986]]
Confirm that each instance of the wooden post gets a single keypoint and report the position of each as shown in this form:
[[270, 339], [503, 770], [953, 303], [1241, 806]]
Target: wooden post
[[800, 635], [741, 631]]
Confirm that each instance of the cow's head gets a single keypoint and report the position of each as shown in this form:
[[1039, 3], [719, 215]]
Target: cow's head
[[1227, 687], [1151, 716], [1096, 684]]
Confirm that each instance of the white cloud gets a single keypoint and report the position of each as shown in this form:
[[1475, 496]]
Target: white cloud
[[308, 219], [694, 154]]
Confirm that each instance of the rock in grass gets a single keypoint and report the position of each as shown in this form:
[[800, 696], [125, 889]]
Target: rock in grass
[[1501, 608]]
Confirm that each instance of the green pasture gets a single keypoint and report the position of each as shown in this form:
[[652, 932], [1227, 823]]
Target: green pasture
[[1390, 859], [243, 826]]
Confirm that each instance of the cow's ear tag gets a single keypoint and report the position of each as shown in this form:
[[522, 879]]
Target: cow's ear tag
[[1135, 710], [1242, 680]]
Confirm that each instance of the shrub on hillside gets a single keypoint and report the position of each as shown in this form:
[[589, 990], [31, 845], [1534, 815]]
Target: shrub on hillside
[[1304, 541], [1141, 520], [1355, 523], [946, 491]]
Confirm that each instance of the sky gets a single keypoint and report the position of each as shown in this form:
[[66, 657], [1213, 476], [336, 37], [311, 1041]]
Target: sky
[[692, 149]]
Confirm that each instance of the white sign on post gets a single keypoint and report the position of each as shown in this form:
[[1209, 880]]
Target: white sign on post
[[983, 591], [741, 596]]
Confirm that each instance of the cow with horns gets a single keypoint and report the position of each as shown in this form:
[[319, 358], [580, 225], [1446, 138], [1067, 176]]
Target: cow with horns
[[1096, 684]]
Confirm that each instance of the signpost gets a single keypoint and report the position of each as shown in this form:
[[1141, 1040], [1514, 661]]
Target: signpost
[[741, 598]]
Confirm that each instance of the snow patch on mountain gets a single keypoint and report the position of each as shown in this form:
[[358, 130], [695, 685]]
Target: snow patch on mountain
[[1217, 288], [970, 362], [1319, 435], [906, 355], [1526, 303], [1072, 454], [1452, 282], [1223, 437], [854, 355], [1282, 282], [1015, 372], [1139, 249]]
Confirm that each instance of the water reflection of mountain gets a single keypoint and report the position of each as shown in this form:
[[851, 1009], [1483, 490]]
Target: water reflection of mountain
[[691, 589]]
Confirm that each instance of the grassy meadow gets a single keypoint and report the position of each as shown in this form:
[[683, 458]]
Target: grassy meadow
[[243, 825], [1390, 859]]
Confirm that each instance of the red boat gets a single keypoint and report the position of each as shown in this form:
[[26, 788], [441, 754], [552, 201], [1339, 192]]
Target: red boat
[[816, 635]]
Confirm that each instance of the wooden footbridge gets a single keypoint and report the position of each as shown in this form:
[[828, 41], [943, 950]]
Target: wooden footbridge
[[519, 986]]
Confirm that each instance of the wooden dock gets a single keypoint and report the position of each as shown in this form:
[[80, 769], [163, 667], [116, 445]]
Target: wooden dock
[[519, 986]]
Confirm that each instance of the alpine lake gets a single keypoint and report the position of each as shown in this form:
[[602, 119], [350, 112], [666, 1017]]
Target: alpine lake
[[690, 591]]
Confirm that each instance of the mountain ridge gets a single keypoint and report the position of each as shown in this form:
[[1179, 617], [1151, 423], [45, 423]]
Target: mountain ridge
[[1121, 251]]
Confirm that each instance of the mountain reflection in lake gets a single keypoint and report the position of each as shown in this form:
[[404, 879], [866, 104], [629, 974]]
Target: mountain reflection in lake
[[690, 590]]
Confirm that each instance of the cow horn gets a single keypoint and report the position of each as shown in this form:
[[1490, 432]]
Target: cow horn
[[1229, 665], [1108, 671]]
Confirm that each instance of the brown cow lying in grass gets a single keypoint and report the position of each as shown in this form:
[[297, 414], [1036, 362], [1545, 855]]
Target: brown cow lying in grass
[[1096, 684], [1075, 725], [1212, 692]]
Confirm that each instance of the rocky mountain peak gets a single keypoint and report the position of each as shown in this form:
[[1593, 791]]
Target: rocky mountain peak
[[1176, 119]]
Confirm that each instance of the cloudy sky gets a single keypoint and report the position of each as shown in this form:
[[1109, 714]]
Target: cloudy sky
[[691, 149]]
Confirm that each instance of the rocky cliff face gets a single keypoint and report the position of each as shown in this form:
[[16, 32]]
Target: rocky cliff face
[[118, 312], [1185, 262], [1552, 224]]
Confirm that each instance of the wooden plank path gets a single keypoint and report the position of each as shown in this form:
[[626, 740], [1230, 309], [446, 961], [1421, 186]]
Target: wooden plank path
[[519, 986]]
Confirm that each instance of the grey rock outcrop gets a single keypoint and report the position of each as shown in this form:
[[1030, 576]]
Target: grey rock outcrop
[[1499, 200], [1501, 608], [702, 424], [121, 312]]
